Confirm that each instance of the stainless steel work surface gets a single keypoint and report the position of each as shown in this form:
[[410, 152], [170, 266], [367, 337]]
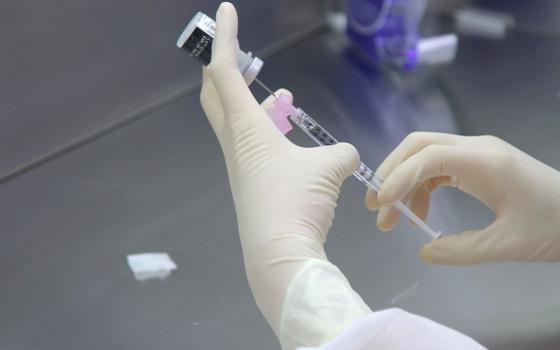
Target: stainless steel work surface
[[76, 69], [159, 184]]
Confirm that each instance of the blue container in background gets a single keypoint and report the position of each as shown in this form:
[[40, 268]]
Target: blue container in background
[[388, 32]]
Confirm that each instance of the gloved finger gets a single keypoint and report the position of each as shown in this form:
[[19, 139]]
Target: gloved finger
[[211, 103], [411, 145], [434, 161], [467, 248], [225, 44], [230, 85], [371, 201], [419, 202], [388, 218], [343, 159], [269, 101]]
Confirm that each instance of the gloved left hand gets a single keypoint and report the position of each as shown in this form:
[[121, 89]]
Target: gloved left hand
[[284, 195]]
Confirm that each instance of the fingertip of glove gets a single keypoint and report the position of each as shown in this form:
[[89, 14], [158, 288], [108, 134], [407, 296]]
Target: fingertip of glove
[[386, 195], [387, 219], [226, 15], [426, 254], [438, 253], [370, 200], [286, 92], [224, 6]]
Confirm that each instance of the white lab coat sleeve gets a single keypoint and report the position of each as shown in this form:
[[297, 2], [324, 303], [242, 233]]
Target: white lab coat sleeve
[[322, 312], [396, 329]]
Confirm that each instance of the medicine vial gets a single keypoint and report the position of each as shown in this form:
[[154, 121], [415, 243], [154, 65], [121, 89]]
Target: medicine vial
[[197, 40]]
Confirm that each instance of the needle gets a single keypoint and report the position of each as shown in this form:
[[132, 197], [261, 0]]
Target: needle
[[266, 88]]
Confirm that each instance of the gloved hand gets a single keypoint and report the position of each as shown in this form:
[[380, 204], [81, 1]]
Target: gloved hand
[[523, 192], [284, 195]]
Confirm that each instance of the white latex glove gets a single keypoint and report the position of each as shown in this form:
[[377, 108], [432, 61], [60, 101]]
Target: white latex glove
[[523, 192], [284, 195]]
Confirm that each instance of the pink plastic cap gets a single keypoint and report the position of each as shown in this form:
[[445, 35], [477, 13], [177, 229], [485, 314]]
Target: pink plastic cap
[[281, 109]]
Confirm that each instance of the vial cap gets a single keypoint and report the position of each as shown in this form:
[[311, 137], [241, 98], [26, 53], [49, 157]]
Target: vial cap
[[253, 70]]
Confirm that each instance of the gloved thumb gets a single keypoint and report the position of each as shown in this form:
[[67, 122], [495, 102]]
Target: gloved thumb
[[467, 248], [343, 157], [224, 45], [234, 94]]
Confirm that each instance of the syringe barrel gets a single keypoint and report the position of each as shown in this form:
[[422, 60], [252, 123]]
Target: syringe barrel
[[363, 173]]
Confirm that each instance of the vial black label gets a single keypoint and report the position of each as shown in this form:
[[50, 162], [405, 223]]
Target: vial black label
[[199, 45]]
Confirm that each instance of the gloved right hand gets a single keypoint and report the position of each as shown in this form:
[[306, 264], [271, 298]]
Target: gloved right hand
[[522, 191]]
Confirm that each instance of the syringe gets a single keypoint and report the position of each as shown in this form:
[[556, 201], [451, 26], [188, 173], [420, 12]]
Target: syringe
[[197, 38], [366, 176]]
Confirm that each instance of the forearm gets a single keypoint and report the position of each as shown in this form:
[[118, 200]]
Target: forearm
[[272, 259], [304, 297]]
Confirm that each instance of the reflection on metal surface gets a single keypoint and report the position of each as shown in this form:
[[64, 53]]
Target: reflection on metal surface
[[410, 292], [395, 104]]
